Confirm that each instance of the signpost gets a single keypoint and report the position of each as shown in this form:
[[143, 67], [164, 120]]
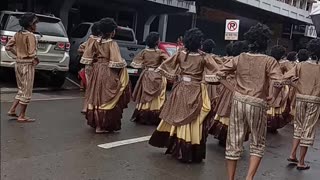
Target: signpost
[[232, 30]]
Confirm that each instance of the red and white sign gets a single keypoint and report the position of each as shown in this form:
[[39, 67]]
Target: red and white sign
[[232, 30]]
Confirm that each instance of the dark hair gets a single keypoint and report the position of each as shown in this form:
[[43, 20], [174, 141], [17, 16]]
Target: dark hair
[[314, 48], [192, 39], [278, 52], [152, 39], [27, 20], [95, 29], [258, 37], [208, 46], [107, 26], [229, 49], [303, 55], [239, 47], [292, 56]]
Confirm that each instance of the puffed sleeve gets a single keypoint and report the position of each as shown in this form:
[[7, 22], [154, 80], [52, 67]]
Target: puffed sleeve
[[116, 61], [82, 47], [229, 67], [170, 67], [292, 75], [163, 56], [137, 61], [210, 69], [89, 52], [32, 45], [11, 45]]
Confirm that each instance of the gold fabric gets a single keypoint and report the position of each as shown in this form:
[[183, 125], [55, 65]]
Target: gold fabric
[[124, 81], [87, 49], [247, 113], [157, 103], [308, 74], [307, 116], [192, 132], [24, 44], [25, 78], [149, 58], [253, 73]]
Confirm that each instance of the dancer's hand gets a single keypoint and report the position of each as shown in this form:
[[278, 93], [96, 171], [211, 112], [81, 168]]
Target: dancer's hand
[[36, 61]]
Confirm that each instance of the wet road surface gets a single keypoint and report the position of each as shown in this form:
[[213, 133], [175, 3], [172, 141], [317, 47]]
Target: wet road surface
[[60, 146]]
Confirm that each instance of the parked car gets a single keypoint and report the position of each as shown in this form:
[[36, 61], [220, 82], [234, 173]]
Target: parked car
[[169, 48], [125, 38], [53, 45]]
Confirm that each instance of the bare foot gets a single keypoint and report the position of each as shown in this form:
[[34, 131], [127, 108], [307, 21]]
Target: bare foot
[[25, 120], [99, 131], [12, 114]]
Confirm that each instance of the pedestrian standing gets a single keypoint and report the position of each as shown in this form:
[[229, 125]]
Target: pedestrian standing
[[24, 45], [87, 61], [182, 129], [150, 90], [307, 103], [108, 89], [254, 70]]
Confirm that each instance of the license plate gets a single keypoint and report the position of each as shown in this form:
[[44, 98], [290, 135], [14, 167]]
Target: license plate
[[133, 71], [41, 46]]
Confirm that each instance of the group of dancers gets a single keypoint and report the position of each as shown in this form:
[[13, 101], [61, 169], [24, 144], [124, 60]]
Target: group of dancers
[[235, 97]]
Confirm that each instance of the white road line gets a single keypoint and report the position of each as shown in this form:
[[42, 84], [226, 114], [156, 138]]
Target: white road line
[[124, 142], [73, 82]]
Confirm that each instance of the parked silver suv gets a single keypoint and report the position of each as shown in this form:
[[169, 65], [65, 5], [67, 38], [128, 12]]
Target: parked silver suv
[[53, 45]]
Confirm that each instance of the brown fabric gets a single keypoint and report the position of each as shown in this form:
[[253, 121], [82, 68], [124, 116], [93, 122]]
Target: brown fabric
[[109, 120], [149, 84], [146, 117], [179, 148], [149, 58], [308, 74], [104, 51], [86, 49], [104, 83], [24, 44], [25, 78], [253, 73], [185, 102], [286, 65]]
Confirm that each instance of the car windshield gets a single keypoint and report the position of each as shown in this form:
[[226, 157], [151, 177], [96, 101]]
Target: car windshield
[[46, 26], [171, 50]]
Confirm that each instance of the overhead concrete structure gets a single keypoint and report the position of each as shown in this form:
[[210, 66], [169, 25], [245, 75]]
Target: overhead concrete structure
[[295, 9]]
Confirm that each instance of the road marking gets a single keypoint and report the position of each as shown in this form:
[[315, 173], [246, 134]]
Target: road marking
[[46, 99], [124, 142], [73, 82]]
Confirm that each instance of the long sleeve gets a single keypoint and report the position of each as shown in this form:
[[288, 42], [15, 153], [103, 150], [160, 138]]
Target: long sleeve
[[137, 61], [228, 67], [163, 56], [116, 61], [89, 52], [210, 70], [170, 67], [274, 70], [82, 47], [11, 45], [32, 46]]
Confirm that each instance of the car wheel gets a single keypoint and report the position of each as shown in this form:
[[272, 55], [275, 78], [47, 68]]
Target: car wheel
[[57, 79]]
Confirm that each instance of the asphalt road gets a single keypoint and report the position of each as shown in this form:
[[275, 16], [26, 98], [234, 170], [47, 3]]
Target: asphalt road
[[60, 146]]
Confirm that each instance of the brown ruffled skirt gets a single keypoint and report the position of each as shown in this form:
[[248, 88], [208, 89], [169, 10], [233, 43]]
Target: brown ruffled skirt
[[186, 143], [108, 115], [148, 108]]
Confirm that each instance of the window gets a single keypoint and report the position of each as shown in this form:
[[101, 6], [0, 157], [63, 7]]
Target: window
[[124, 35], [80, 31], [46, 26], [4, 21]]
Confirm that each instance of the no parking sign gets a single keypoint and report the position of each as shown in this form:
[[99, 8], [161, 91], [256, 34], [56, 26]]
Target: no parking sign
[[232, 30]]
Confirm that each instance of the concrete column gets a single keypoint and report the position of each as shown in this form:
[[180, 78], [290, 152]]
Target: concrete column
[[64, 11], [163, 24], [147, 26], [194, 21]]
